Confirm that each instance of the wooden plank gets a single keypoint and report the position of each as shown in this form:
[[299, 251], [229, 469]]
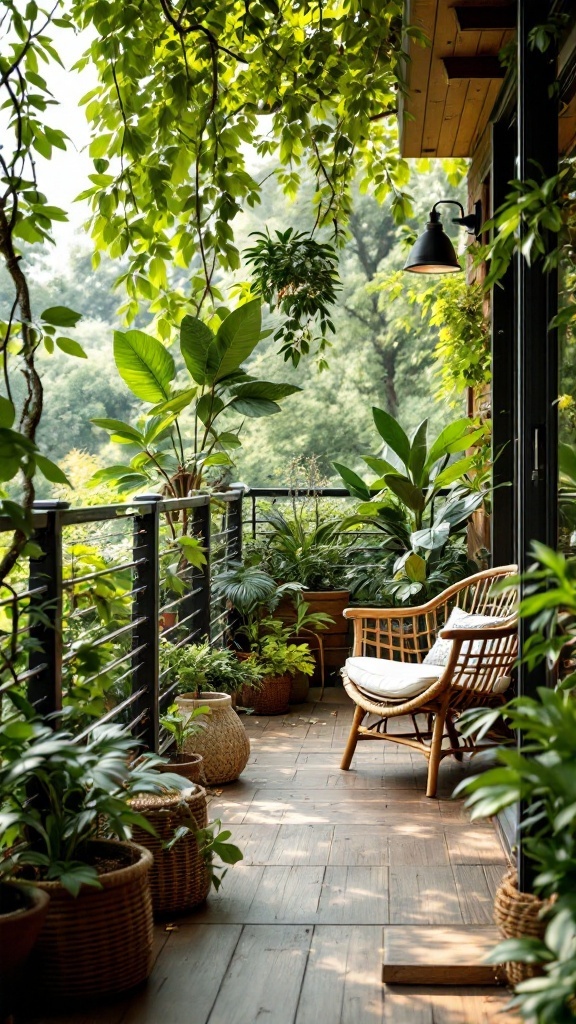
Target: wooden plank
[[403, 1003], [422, 14], [358, 846], [418, 851], [255, 841], [341, 984], [438, 956], [474, 893], [423, 896], [475, 844], [287, 895], [263, 980], [302, 844], [233, 900], [189, 974], [354, 895]]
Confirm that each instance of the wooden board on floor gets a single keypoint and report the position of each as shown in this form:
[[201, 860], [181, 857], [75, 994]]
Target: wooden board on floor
[[438, 956]]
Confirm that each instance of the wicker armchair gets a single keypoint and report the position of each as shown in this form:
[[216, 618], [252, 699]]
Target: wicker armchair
[[477, 671]]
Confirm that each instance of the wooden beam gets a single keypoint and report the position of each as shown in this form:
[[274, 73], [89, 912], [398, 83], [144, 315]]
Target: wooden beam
[[472, 67], [430, 955], [483, 18]]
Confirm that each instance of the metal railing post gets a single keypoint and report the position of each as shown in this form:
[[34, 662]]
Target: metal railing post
[[201, 576], [45, 608], [145, 616], [235, 513]]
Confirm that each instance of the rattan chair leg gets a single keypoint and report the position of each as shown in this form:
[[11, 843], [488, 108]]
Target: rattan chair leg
[[435, 752], [352, 738], [454, 738]]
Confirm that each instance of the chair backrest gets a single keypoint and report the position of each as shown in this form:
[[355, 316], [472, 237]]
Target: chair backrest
[[473, 595]]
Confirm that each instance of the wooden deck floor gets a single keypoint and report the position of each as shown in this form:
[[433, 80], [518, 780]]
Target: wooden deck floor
[[295, 935]]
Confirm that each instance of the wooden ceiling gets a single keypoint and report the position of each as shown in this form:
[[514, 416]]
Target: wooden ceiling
[[453, 83]]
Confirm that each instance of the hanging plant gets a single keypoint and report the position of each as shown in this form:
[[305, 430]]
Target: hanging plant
[[297, 275]]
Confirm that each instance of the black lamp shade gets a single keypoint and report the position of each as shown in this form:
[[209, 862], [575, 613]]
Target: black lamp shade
[[433, 252]]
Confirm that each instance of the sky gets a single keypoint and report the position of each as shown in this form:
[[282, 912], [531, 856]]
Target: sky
[[66, 175]]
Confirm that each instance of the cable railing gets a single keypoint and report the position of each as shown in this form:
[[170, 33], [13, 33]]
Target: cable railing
[[82, 626]]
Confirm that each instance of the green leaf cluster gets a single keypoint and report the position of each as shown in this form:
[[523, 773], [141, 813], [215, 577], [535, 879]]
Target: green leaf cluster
[[213, 384]]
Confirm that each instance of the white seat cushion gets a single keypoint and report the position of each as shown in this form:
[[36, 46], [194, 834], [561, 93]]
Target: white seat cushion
[[395, 680]]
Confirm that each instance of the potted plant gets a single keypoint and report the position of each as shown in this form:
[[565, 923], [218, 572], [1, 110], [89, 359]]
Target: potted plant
[[181, 728], [421, 503], [306, 546], [541, 775], [208, 678], [23, 907], [184, 846], [97, 936], [278, 661], [199, 668]]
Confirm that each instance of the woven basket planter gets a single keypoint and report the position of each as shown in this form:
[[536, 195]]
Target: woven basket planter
[[518, 916], [100, 942], [179, 879], [223, 742], [272, 698], [190, 766]]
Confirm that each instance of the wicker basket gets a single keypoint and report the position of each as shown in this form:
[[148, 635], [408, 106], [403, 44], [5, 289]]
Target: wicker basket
[[519, 915], [98, 943], [190, 766], [223, 742], [271, 699], [179, 880]]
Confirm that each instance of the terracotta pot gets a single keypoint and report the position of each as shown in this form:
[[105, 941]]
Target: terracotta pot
[[190, 766], [223, 742], [335, 639], [167, 620], [98, 943], [23, 909]]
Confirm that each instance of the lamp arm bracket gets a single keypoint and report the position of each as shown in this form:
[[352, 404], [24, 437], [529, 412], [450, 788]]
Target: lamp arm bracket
[[453, 202]]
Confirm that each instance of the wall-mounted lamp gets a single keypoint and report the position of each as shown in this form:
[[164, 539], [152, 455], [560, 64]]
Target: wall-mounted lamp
[[433, 252]]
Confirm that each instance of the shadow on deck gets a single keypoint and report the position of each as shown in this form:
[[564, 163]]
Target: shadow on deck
[[331, 859]]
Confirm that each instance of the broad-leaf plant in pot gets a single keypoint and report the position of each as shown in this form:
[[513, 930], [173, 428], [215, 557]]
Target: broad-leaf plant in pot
[[193, 411], [65, 827], [252, 596], [421, 501]]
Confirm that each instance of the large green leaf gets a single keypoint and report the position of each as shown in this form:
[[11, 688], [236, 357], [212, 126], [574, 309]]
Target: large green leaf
[[380, 466], [144, 365], [454, 472], [50, 470], [180, 400], [208, 408], [418, 451], [354, 483], [198, 347], [255, 407], [7, 412], [456, 437], [120, 432], [392, 433], [264, 389], [412, 496], [60, 316], [237, 337]]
